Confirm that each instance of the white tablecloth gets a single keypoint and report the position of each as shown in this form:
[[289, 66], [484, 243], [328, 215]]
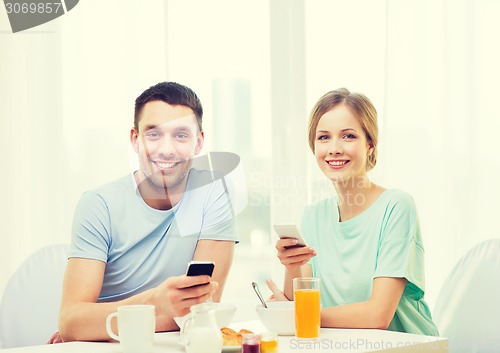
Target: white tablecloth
[[331, 340]]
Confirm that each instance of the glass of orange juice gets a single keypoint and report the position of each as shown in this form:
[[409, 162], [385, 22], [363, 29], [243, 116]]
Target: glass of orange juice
[[307, 307], [268, 342]]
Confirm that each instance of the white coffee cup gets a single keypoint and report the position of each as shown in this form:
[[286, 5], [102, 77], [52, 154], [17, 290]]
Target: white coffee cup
[[136, 327]]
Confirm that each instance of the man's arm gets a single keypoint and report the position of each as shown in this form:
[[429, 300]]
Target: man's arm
[[221, 253], [82, 318]]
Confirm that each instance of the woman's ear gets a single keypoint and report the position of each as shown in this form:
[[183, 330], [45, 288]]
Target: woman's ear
[[370, 149]]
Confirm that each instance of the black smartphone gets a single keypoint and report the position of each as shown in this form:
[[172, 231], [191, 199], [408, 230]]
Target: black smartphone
[[197, 268], [290, 231]]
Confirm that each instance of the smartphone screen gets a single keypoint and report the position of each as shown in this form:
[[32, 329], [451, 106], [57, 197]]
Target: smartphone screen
[[287, 231], [197, 268]]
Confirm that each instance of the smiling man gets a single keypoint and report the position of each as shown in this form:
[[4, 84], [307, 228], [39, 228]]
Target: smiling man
[[133, 238], [170, 138]]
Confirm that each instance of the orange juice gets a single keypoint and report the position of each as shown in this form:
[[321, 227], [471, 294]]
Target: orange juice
[[270, 346], [307, 313]]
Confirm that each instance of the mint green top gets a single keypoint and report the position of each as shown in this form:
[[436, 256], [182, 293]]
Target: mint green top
[[383, 241]]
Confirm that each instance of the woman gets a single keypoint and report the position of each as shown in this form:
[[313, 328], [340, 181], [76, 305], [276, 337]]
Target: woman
[[365, 243]]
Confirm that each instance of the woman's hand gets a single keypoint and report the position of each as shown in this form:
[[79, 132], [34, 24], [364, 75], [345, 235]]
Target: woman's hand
[[56, 338], [278, 295], [293, 258]]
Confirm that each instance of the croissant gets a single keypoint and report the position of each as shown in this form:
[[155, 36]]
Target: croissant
[[232, 338]]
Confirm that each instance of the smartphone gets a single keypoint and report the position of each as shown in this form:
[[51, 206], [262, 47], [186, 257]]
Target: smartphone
[[287, 231], [197, 268]]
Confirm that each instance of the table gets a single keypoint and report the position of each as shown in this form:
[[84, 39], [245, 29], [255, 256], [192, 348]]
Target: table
[[332, 340]]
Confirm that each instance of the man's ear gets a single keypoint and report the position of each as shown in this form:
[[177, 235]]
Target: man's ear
[[199, 143], [134, 139]]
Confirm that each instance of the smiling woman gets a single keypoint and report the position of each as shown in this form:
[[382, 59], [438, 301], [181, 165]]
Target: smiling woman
[[341, 145], [364, 243], [333, 130]]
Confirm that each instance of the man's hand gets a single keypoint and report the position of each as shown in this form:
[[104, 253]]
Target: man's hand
[[175, 296]]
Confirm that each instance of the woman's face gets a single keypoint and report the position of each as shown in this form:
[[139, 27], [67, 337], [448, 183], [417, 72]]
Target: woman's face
[[340, 146]]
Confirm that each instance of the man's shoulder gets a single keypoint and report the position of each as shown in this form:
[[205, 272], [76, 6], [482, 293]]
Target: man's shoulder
[[123, 181], [199, 177], [113, 188]]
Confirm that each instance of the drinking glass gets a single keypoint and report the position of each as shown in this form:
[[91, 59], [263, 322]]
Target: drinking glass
[[250, 343], [307, 307], [268, 342]]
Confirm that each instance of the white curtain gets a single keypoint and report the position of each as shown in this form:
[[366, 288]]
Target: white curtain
[[442, 122], [431, 68], [67, 95]]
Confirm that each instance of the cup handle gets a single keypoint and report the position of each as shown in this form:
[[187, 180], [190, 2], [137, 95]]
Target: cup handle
[[109, 328], [184, 328]]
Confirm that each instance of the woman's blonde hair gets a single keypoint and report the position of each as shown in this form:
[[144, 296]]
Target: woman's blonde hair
[[362, 109]]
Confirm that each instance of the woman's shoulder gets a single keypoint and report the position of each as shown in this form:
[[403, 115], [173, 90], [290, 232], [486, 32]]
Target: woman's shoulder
[[398, 197], [320, 207], [397, 203], [324, 202], [316, 214]]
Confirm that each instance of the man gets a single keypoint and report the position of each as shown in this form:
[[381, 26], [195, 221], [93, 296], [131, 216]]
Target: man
[[132, 238]]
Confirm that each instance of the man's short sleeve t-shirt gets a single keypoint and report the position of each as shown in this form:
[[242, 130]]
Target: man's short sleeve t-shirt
[[142, 246], [383, 241]]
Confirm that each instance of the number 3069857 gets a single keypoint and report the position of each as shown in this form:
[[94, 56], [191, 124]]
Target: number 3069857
[[42, 7]]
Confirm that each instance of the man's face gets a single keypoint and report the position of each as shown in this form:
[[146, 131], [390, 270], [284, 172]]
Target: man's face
[[167, 140]]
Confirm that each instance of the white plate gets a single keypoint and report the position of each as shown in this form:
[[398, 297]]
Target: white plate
[[227, 349]]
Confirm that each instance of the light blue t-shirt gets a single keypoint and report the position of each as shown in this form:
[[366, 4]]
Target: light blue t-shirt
[[142, 246], [383, 241]]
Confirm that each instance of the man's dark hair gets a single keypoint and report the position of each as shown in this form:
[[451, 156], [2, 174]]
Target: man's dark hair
[[172, 93]]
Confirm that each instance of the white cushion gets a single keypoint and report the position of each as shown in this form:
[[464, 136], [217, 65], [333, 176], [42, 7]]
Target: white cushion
[[467, 310], [30, 303]]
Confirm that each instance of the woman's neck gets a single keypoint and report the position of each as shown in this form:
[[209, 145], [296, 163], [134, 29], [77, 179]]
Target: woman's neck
[[355, 195]]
